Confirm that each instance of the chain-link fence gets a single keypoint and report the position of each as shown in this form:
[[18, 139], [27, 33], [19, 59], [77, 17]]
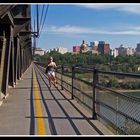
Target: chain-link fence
[[113, 97]]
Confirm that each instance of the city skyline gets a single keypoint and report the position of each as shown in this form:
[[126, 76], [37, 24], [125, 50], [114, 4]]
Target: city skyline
[[68, 24]]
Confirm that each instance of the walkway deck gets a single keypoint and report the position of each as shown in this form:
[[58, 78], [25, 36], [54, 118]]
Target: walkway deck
[[32, 108]]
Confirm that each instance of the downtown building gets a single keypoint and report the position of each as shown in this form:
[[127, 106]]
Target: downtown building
[[39, 51], [125, 51], [103, 48], [60, 50], [76, 49], [137, 50], [84, 47], [115, 52]]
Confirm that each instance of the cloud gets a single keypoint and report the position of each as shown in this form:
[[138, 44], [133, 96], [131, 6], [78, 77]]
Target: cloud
[[96, 6], [69, 30], [131, 8]]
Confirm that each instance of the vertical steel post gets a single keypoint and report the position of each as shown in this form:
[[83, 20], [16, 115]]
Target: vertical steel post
[[11, 65], [95, 81], [62, 72], [73, 76], [15, 60], [110, 60], [6, 58], [20, 61]]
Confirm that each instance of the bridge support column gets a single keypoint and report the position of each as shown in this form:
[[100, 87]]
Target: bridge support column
[[16, 49], [6, 51], [21, 61], [20, 64], [11, 68], [3, 45]]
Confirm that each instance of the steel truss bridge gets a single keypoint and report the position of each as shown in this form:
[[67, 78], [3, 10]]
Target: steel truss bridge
[[15, 44]]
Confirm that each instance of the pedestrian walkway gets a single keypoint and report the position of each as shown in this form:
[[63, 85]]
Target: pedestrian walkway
[[32, 108]]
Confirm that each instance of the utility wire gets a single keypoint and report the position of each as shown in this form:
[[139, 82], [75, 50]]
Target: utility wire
[[39, 24], [41, 16], [38, 28], [44, 20]]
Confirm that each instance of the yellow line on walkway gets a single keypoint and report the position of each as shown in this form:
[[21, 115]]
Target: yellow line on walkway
[[39, 113]]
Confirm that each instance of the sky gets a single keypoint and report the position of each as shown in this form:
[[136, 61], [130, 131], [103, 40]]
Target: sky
[[67, 25]]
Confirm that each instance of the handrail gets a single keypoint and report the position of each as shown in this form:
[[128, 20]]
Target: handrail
[[120, 73], [118, 98]]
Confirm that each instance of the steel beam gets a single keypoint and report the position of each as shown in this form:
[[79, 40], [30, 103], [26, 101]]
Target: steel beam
[[11, 69], [6, 59], [16, 50]]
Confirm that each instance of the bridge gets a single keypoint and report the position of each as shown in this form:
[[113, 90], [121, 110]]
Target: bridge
[[76, 107]]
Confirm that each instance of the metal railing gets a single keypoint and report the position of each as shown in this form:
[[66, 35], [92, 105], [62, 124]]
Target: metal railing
[[112, 105], [110, 97]]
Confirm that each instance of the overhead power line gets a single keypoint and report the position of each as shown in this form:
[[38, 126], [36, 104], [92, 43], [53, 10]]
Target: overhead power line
[[44, 20], [41, 15]]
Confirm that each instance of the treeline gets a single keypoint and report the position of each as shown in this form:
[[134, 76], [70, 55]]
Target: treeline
[[104, 62], [120, 83]]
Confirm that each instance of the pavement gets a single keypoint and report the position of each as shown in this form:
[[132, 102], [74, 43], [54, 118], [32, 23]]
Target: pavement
[[32, 108]]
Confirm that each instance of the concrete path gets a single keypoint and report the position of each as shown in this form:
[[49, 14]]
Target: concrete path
[[32, 108]]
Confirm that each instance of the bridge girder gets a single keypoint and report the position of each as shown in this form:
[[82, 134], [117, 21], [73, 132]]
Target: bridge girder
[[15, 33]]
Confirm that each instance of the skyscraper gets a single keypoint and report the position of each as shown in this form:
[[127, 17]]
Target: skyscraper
[[138, 47]]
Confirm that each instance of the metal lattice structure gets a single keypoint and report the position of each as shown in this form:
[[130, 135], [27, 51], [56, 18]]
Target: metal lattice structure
[[15, 44], [117, 109]]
